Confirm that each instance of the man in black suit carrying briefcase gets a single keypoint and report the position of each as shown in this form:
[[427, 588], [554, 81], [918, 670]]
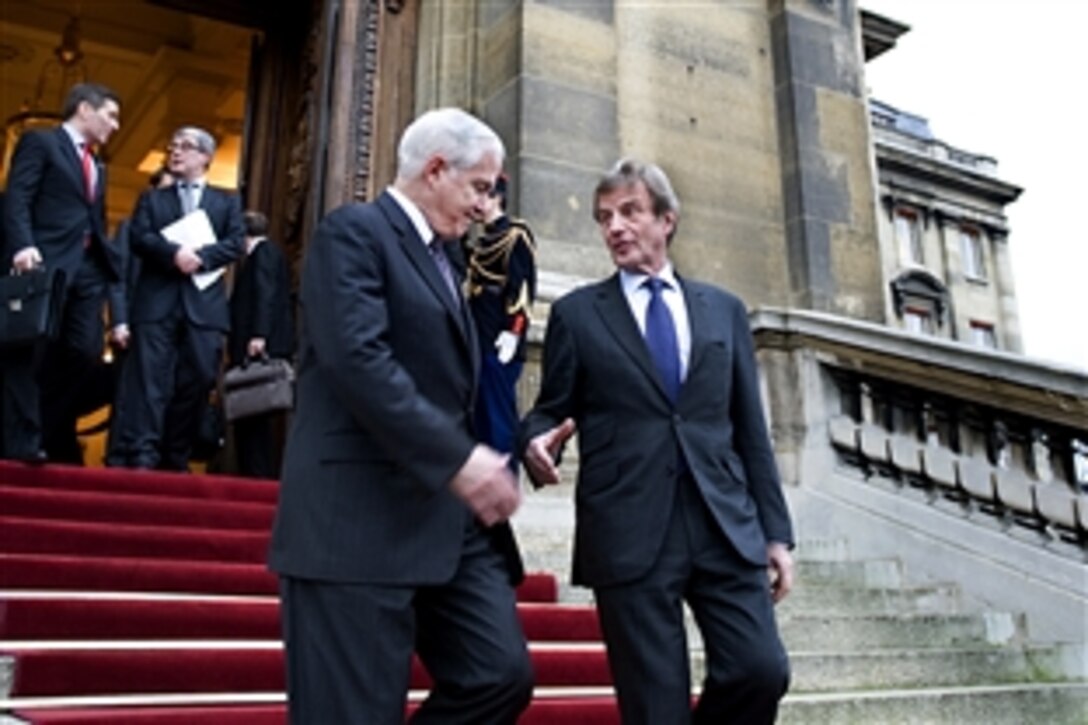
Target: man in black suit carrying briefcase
[[261, 327], [55, 217]]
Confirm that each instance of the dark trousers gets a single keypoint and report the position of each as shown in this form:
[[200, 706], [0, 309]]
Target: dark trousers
[[45, 384], [255, 448], [167, 376], [643, 626], [349, 647]]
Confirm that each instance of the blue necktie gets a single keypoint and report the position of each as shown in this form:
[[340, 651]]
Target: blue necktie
[[661, 338]]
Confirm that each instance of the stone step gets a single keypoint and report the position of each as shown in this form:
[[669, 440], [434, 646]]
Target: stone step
[[822, 550], [845, 633], [830, 598], [896, 669], [887, 573], [909, 668], [1050, 703]]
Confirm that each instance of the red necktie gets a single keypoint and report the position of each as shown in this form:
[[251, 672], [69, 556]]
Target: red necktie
[[88, 172]]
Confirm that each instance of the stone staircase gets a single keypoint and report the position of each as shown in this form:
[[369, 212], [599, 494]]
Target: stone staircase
[[870, 645]]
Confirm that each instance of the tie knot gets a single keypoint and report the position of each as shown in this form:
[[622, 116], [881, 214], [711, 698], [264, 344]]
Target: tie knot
[[655, 285]]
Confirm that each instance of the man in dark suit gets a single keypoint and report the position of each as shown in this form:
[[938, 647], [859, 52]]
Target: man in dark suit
[[118, 305], [179, 313], [260, 327], [678, 497], [391, 528], [54, 216]]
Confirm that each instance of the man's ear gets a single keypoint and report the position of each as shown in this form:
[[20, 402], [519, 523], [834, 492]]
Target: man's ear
[[434, 167], [670, 218]]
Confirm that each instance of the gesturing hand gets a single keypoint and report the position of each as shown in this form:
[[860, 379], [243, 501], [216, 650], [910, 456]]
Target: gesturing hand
[[488, 486], [542, 451]]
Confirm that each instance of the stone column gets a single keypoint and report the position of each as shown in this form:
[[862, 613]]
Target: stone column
[[1005, 288], [827, 174]]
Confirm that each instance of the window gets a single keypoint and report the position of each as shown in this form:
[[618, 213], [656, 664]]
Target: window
[[974, 263], [983, 335], [918, 321], [908, 236]]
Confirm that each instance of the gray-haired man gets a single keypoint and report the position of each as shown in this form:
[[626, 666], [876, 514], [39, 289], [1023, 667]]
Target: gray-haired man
[[177, 325], [391, 531]]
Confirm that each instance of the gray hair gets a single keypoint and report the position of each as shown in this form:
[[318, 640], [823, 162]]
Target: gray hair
[[204, 140], [458, 137], [627, 173]]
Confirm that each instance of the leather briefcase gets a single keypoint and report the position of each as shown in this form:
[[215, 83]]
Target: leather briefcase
[[30, 307], [258, 386]]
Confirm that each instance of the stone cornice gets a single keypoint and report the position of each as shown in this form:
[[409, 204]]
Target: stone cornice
[[879, 34], [1019, 384], [910, 165]]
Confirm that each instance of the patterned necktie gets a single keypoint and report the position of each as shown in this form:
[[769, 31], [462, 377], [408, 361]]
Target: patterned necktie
[[88, 170], [661, 338], [438, 253]]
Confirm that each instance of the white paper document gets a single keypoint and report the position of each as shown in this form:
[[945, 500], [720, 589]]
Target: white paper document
[[193, 231]]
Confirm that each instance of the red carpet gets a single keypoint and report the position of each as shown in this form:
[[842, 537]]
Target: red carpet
[[147, 593]]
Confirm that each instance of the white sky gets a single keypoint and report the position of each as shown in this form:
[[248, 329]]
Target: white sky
[[1004, 78]]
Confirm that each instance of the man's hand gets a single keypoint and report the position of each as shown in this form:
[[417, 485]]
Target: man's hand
[[186, 260], [506, 344], [26, 259], [780, 563], [542, 451], [488, 486], [256, 347], [120, 335]]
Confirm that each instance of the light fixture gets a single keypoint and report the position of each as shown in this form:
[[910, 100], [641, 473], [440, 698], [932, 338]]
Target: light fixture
[[62, 71]]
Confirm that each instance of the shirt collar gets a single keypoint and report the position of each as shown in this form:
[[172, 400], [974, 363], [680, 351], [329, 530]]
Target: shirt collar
[[414, 214], [198, 183], [77, 138], [632, 281]]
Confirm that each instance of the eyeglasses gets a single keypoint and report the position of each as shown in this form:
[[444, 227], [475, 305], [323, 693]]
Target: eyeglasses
[[182, 146]]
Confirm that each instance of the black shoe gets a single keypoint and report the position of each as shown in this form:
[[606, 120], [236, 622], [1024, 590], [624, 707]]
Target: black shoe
[[34, 458]]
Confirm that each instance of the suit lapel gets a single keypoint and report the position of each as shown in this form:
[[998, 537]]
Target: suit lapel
[[420, 258], [701, 322], [169, 196], [74, 165], [618, 319]]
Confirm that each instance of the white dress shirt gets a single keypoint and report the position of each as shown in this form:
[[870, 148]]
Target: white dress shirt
[[638, 299]]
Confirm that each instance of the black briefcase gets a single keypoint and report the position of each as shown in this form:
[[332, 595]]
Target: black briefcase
[[30, 306], [258, 386]]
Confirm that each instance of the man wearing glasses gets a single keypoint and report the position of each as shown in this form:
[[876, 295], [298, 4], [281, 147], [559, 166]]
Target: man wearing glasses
[[179, 312]]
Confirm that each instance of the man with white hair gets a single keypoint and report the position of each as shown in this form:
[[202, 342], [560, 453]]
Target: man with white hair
[[391, 532], [177, 325]]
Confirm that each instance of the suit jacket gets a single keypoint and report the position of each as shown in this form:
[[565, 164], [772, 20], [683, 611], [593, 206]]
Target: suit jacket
[[598, 371], [162, 288], [387, 374], [260, 305], [119, 294], [46, 204]]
